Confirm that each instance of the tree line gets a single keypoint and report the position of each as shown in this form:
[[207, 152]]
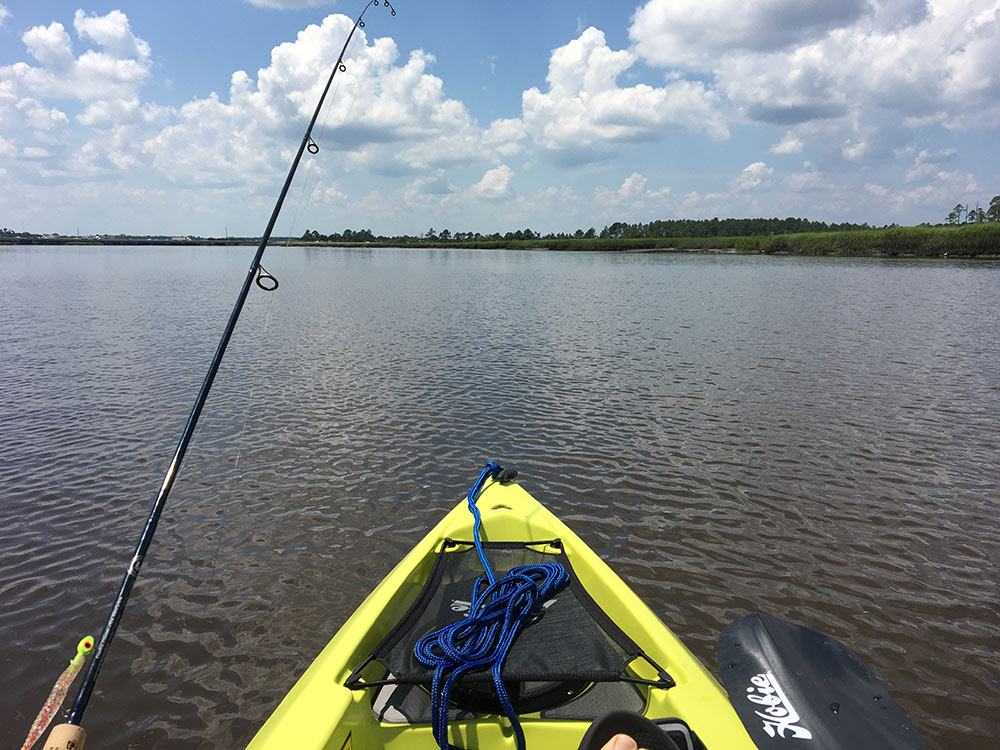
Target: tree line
[[661, 229], [975, 215]]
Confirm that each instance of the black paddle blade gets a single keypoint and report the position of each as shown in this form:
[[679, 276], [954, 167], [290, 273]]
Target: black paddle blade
[[793, 687]]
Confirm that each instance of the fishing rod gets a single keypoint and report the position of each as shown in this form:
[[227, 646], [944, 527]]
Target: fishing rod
[[71, 735]]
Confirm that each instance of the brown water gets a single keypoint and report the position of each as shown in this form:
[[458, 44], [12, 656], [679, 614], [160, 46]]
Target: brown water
[[816, 439]]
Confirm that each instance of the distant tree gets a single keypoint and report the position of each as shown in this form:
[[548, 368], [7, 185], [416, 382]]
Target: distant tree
[[955, 217], [590, 233], [430, 234], [993, 212], [444, 235], [977, 215]]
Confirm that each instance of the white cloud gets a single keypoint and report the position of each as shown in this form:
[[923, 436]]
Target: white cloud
[[709, 204], [495, 184], [753, 176], [924, 121], [106, 113], [928, 163], [632, 198], [860, 89], [585, 113], [435, 186], [943, 188], [809, 179], [328, 195], [389, 117], [50, 45], [4, 14], [39, 118], [694, 33], [864, 73], [789, 144], [118, 71], [112, 32], [212, 145], [505, 136], [633, 187]]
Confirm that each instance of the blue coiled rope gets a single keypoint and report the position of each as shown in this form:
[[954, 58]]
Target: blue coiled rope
[[499, 609]]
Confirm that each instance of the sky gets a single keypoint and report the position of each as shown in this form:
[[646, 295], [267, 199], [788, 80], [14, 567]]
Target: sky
[[182, 117]]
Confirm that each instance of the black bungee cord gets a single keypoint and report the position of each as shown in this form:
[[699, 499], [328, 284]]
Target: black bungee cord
[[71, 732]]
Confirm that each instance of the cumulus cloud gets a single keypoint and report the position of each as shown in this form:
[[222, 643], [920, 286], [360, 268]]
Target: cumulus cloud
[[585, 113], [112, 32], [753, 176], [942, 188], [495, 184], [112, 112], [434, 186], [694, 33], [390, 117], [50, 45], [4, 14], [38, 118], [505, 136], [863, 73], [118, 70], [928, 163], [709, 204], [809, 179], [788, 145], [632, 196]]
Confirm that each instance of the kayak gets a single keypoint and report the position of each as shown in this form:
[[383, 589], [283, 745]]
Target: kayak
[[321, 711], [503, 629]]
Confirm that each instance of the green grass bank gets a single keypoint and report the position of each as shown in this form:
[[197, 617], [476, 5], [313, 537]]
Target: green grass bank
[[980, 241], [969, 241]]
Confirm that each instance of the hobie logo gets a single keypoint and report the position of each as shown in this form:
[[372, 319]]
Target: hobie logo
[[779, 716]]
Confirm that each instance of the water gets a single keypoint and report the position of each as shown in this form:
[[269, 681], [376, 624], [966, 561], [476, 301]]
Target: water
[[816, 439]]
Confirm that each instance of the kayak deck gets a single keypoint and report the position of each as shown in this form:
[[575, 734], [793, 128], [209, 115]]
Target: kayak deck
[[320, 712]]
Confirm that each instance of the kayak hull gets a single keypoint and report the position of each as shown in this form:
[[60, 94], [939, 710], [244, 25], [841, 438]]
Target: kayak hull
[[319, 712]]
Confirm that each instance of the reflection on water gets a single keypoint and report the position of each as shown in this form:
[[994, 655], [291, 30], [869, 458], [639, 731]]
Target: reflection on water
[[816, 439]]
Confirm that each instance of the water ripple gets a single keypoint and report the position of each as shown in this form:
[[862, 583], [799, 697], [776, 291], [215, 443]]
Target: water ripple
[[801, 437]]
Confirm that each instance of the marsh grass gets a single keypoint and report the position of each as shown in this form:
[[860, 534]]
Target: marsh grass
[[968, 241]]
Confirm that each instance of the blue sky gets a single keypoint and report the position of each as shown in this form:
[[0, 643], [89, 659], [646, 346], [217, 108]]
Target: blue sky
[[181, 117]]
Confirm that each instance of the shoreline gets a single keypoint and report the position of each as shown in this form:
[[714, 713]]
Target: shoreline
[[970, 241]]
